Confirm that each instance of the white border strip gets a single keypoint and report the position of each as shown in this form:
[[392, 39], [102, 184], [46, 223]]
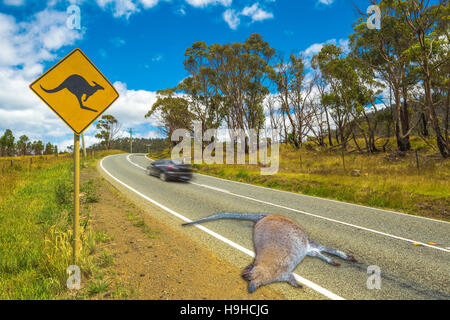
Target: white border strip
[[314, 215], [300, 279]]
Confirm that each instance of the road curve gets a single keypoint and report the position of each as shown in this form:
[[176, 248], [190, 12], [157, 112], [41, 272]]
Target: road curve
[[412, 253]]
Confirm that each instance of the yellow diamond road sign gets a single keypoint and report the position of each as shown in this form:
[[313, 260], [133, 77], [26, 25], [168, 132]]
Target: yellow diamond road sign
[[76, 91]]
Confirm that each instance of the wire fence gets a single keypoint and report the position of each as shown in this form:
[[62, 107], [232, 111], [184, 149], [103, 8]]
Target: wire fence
[[9, 164]]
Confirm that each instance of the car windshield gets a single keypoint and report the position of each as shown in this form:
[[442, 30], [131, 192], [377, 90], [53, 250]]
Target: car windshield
[[177, 162]]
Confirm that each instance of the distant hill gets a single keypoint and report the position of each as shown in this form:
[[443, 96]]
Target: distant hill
[[140, 145]]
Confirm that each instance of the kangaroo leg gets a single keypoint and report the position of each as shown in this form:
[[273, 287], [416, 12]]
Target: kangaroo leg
[[316, 253], [294, 282], [83, 107], [338, 254], [246, 274], [332, 251]]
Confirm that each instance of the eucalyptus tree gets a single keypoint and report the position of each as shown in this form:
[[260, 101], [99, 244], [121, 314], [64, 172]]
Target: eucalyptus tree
[[200, 87], [23, 145], [347, 94], [384, 51], [256, 57], [173, 112], [430, 53], [7, 145], [293, 95], [109, 127], [49, 148], [37, 147], [228, 82]]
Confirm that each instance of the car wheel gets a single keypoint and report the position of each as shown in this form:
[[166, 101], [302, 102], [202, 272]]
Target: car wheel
[[163, 176]]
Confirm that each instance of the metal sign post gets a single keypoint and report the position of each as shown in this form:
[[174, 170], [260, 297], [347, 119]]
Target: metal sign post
[[76, 198]]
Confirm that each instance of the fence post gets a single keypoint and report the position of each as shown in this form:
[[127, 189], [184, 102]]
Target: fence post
[[343, 159], [12, 162], [417, 162]]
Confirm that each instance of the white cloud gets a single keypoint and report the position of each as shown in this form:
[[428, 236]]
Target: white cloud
[[158, 58], [316, 47], [132, 106], [118, 42], [205, 3], [181, 11], [256, 13], [31, 42], [326, 2], [120, 8], [149, 3], [232, 18], [126, 8]]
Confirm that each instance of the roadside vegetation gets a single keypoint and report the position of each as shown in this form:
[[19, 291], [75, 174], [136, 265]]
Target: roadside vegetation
[[36, 209]]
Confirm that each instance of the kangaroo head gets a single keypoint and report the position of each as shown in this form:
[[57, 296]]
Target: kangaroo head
[[97, 86]]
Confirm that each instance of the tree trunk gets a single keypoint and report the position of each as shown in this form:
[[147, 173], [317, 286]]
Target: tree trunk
[[330, 140], [402, 123], [447, 111], [425, 132], [440, 141]]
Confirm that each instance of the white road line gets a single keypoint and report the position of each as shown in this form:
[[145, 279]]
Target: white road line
[[316, 197], [134, 164], [325, 218], [300, 279], [209, 187], [330, 200]]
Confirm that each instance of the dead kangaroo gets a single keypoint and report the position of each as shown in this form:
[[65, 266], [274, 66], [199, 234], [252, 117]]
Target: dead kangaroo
[[280, 245], [78, 86]]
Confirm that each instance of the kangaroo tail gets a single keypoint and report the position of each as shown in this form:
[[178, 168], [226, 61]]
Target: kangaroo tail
[[230, 215], [59, 88]]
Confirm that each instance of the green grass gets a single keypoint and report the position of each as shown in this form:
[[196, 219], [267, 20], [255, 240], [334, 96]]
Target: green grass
[[36, 205], [139, 222], [97, 286], [105, 259], [34, 237], [103, 237], [88, 190]]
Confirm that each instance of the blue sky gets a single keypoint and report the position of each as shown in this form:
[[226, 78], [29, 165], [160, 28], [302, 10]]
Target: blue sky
[[139, 46]]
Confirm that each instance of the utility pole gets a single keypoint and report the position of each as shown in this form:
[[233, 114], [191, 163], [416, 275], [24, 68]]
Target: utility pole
[[84, 145], [131, 140]]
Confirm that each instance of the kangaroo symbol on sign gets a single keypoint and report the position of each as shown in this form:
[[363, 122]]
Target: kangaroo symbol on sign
[[78, 86]]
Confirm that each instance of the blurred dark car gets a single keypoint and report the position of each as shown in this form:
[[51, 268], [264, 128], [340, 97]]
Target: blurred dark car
[[167, 169]]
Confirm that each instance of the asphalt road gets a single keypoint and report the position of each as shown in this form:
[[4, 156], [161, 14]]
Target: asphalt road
[[413, 253]]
